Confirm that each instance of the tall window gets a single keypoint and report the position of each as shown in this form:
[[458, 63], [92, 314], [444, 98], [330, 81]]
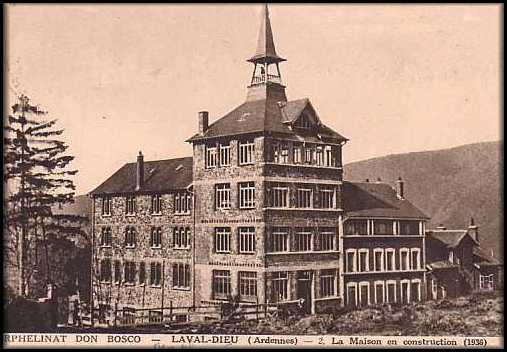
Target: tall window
[[279, 197], [182, 202], [106, 205], [225, 155], [304, 198], [223, 240], [246, 152], [391, 291], [181, 276], [327, 198], [356, 227], [303, 241], [309, 155], [130, 208], [105, 270], [223, 196], [326, 240], [284, 154], [297, 154], [117, 271], [320, 156], [247, 284], [211, 156], [280, 286], [378, 259], [363, 260], [221, 284], [350, 261], [280, 240], [247, 240], [155, 273], [130, 272], [383, 227], [390, 260], [156, 204], [181, 237], [130, 237], [142, 273], [246, 195], [404, 259], [156, 237], [327, 283], [329, 156], [415, 258], [106, 237]]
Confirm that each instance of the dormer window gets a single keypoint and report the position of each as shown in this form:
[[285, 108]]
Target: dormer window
[[304, 122]]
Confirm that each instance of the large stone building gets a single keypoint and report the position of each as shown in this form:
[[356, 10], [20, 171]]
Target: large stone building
[[261, 212]]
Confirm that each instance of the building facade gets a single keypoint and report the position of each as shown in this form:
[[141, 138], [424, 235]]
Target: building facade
[[259, 213]]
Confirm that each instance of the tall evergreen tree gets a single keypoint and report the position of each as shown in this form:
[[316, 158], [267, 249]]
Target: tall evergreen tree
[[36, 178]]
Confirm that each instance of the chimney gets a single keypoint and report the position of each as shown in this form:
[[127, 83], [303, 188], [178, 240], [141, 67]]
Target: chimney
[[473, 230], [441, 227], [367, 180], [203, 122], [379, 179], [140, 171], [400, 188]]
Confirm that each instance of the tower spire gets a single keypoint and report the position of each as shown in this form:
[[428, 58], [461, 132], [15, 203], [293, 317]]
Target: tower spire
[[265, 43]]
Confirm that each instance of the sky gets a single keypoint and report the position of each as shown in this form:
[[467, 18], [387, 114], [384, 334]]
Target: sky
[[125, 78]]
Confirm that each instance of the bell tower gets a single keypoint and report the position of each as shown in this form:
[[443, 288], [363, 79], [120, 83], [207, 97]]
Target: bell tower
[[266, 82]]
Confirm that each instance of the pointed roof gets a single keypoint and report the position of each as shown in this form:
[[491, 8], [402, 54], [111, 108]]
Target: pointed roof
[[265, 44], [450, 238]]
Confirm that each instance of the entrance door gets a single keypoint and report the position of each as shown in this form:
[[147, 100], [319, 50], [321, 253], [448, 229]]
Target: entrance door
[[304, 290]]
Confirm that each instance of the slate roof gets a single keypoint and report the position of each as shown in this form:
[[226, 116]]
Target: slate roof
[[484, 257], [159, 176], [450, 238], [442, 264], [376, 199], [265, 115], [265, 43]]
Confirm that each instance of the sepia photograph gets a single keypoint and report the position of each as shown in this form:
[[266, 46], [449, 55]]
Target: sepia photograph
[[253, 175]]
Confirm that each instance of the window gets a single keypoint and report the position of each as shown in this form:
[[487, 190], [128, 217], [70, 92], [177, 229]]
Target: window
[[211, 156], [129, 316], [105, 270], [383, 227], [351, 260], [415, 256], [155, 274], [303, 122], [404, 259], [284, 154], [378, 259], [247, 240], [390, 260], [298, 157], [379, 292], [327, 283], [223, 240], [280, 283], [246, 195], [130, 237], [246, 152], [106, 237], [320, 156], [415, 290], [182, 203], [363, 263], [391, 291], [223, 196], [221, 284], [326, 240], [409, 228], [304, 198], [352, 294], [327, 198], [356, 227], [156, 237], [364, 293], [279, 197], [309, 154], [181, 276], [130, 202], [130, 272], [156, 204], [181, 237], [225, 155], [486, 282], [280, 238], [155, 316], [117, 271], [106, 206], [247, 284], [329, 156], [142, 273], [302, 241]]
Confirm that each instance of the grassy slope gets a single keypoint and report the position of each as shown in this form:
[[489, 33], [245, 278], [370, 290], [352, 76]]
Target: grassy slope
[[450, 185]]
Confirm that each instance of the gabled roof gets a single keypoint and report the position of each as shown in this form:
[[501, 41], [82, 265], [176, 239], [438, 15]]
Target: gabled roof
[[450, 238], [265, 44], [159, 176], [484, 258], [442, 264], [376, 199], [266, 115]]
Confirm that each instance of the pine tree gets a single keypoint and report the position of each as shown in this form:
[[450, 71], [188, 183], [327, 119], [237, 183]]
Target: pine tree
[[36, 178]]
